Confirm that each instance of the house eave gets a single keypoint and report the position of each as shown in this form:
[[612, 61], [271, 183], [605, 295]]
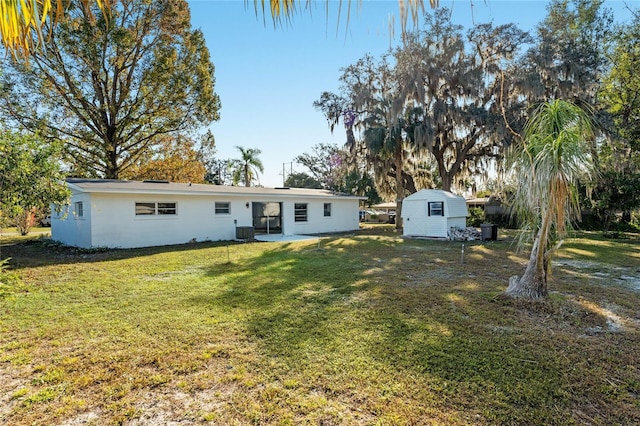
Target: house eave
[[200, 190]]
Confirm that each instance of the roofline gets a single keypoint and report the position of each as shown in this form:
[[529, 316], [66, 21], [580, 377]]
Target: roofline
[[274, 192]]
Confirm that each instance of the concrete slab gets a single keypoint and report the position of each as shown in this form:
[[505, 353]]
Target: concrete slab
[[279, 238]]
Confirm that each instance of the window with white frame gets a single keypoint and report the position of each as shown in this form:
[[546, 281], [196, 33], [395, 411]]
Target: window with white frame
[[78, 209], [223, 207], [152, 209], [327, 209], [300, 212], [436, 208]]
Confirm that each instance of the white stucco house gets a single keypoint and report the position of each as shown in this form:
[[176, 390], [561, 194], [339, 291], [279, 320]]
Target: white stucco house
[[432, 213], [128, 214]]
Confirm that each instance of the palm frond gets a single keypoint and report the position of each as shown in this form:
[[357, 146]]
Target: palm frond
[[22, 21], [548, 162]]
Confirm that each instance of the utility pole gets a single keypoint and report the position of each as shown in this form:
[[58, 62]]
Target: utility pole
[[284, 171]]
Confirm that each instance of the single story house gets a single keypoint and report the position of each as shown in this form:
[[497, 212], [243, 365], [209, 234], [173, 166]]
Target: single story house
[[476, 202], [432, 213], [380, 213], [127, 214]]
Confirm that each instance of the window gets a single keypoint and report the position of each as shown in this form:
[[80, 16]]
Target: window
[[145, 209], [436, 208], [150, 209], [300, 212], [327, 209], [166, 208], [78, 209], [223, 208]]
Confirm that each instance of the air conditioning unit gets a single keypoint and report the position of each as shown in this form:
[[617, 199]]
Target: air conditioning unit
[[245, 233]]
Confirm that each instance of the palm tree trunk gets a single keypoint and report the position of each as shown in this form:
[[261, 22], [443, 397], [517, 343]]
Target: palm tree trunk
[[533, 283], [246, 175]]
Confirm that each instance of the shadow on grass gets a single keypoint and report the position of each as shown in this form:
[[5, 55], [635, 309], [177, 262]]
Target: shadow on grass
[[37, 252], [409, 326], [382, 310]]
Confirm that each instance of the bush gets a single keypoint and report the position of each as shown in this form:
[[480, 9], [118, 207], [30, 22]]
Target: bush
[[476, 216]]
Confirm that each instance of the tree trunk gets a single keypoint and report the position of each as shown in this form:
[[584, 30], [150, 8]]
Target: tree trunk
[[399, 160], [112, 170], [25, 221], [533, 283], [446, 180]]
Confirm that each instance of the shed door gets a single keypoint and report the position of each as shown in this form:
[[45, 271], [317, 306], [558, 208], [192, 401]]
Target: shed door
[[436, 221]]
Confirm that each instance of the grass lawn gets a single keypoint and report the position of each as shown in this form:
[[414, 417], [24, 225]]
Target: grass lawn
[[360, 329]]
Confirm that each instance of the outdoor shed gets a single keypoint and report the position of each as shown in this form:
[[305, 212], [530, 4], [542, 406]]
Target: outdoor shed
[[432, 212], [127, 214]]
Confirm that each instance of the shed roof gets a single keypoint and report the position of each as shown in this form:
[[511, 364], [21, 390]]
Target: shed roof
[[163, 187], [430, 194]]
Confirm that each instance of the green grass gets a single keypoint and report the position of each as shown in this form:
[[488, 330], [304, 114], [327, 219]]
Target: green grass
[[362, 329]]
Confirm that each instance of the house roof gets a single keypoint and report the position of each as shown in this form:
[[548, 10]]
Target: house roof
[[477, 200], [172, 188], [389, 205]]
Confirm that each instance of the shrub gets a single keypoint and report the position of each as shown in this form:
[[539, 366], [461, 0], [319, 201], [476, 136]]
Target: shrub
[[476, 216]]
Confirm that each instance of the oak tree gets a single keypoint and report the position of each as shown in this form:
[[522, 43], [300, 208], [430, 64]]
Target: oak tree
[[109, 88]]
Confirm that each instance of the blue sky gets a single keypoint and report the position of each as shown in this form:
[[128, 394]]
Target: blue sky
[[268, 78]]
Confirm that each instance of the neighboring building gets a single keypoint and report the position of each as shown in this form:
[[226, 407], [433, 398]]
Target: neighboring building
[[476, 202], [380, 213], [432, 213], [127, 214]]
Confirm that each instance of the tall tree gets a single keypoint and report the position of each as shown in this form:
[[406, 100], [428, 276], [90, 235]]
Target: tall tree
[[455, 85], [219, 172], [173, 159], [30, 178], [620, 91], [302, 180], [246, 167], [327, 165], [547, 164], [341, 170], [372, 102], [438, 99], [569, 57], [618, 186], [110, 87]]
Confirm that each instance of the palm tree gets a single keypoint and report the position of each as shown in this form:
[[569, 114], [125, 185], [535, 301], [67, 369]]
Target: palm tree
[[553, 154], [246, 168], [21, 22]]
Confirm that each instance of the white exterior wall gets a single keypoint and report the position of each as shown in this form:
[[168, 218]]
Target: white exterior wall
[[115, 223], [69, 229], [344, 216], [416, 221], [110, 220]]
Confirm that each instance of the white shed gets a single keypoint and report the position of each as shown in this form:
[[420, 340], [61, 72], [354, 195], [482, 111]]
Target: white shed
[[127, 214], [432, 212]]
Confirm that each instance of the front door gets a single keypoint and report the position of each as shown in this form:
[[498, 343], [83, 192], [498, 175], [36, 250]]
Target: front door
[[267, 218]]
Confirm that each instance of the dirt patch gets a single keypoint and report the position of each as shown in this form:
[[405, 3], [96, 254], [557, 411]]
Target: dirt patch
[[606, 273], [10, 383]]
